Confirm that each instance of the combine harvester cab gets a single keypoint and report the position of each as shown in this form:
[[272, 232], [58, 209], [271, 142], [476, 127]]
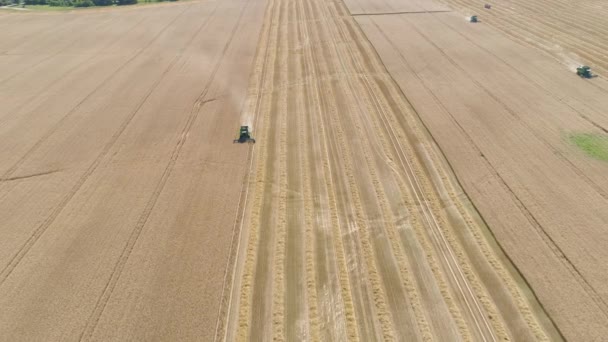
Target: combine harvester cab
[[244, 136], [584, 71]]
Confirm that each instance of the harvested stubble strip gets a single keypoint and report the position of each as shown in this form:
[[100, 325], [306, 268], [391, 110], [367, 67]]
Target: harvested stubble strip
[[487, 251], [351, 321], [244, 318], [278, 269], [311, 287], [378, 295]]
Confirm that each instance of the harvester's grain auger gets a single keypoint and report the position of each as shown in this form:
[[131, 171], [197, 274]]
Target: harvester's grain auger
[[244, 136], [584, 71]]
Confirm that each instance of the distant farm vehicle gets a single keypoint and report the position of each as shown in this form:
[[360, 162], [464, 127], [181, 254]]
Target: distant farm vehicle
[[473, 19], [244, 136], [487, 6], [584, 71]]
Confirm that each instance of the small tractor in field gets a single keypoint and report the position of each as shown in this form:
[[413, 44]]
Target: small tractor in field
[[584, 71], [244, 136], [473, 19]]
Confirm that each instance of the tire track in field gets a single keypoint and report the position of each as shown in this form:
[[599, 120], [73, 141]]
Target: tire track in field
[[6, 189], [7, 270], [58, 52], [9, 172], [73, 70], [143, 219]]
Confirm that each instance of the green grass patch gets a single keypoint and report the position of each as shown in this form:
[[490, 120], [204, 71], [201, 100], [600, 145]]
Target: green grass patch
[[49, 8], [594, 145], [41, 8]]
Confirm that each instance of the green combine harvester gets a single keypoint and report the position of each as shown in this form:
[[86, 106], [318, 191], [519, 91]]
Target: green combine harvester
[[244, 136], [584, 71], [473, 19]]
